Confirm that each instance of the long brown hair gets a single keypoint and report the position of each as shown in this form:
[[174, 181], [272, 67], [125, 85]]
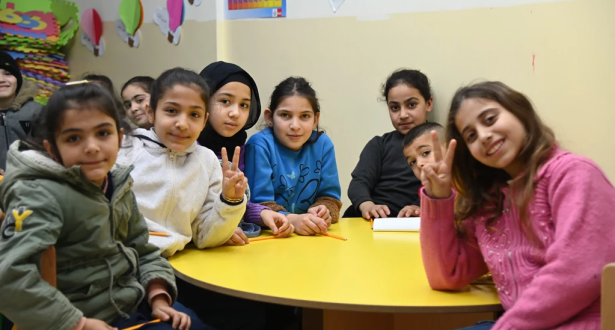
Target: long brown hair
[[479, 187]]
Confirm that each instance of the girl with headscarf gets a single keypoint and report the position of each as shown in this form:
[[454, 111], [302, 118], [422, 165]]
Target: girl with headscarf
[[234, 108]]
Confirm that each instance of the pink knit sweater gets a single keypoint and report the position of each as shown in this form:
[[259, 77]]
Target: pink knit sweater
[[553, 284]]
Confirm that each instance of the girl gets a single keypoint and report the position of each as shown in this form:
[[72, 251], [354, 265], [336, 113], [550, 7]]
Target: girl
[[292, 164], [181, 189], [382, 183], [235, 107], [63, 192], [537, 217], [136, 94]]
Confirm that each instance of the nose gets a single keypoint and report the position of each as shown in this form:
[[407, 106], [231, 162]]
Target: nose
[[294, 124], [484, 135], [91, 146], [181, 123], [234, 111], [134, 106], [404, 113]]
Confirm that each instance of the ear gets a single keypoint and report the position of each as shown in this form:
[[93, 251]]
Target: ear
[[50, 150], [269, 117], [150, 113], [316, 119], [121, 136], [430, 104]]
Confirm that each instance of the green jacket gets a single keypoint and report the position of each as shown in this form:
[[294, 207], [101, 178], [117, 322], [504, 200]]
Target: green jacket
[[104, 261]]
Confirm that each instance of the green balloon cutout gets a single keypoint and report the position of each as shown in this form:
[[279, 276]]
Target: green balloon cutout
[[130, 13]]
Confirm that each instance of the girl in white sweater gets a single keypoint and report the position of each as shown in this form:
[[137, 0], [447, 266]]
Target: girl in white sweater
[[181, 188]]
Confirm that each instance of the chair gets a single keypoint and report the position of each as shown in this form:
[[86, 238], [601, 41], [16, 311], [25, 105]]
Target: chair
[[607, 312]]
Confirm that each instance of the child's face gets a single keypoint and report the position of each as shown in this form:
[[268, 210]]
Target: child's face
[[493, 134], [136, 101], [407, 107], [293, 122], [88, 138], [230, 108], [8, 85], [179, 117], [420, 153]]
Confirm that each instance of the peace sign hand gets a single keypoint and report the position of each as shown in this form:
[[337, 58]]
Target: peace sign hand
[[437, 177], [233, 182]]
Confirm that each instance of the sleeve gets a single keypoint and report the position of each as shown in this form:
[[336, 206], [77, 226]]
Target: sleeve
[[253, 213], [451, 262], [329, 192], [218, 219], [33, 223], [365, 174], [581, 200], [152, 266], [259, 174]]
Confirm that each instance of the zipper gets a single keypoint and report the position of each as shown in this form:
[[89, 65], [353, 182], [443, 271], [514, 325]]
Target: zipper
[[172, 157], [6, 131]]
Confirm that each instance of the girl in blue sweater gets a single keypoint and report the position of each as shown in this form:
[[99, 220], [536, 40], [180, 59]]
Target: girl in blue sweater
[[292, 167]]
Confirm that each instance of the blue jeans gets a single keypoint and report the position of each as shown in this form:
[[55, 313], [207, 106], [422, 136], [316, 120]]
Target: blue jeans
[[144, 314], [482, 325]]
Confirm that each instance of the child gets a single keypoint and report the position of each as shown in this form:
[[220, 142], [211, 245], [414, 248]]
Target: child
[[136, 94], [180, 187], [235, 107], [539, 218], [62, 192], [382, 183], [418, 149], [17, 106], [292, 166]]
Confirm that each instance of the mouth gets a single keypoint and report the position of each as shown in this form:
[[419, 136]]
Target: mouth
[[179, 137], [406, 125], [294, 137], [95, 163], [495, 147], [230, 125]]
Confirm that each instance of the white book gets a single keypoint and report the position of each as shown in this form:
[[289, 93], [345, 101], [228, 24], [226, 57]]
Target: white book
[[397, 224]]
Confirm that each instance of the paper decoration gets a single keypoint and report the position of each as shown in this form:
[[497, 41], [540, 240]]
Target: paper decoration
[[195, 3], [169, 20], [241, 9], [92, 31], [32, 32], [131, 19], [336, 4]]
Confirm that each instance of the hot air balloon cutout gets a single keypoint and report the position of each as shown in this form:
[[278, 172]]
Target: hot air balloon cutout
[[195, 3], [170, 18], [92, 27], [131, 19]]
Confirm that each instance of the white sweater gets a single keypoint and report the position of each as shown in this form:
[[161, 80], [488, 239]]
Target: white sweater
[[179, 193]]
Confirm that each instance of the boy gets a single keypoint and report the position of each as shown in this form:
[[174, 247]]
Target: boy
[[418, 149], [17, 106]]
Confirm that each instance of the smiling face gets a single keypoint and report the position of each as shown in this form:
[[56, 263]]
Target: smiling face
[[493, 134], [293, 121], [8, 86], [136, 101], [407, 107], [179, 117], [90, 139], [230, 108], [420, 153]]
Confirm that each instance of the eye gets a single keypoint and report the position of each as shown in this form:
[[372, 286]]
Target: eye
[[139, 101], [490, 120], [412, 104], [127, 105], [245, 105], [225, 101], [72, 138], [284, 115], [426, 153], [412, 163], [195, 115], [104, 133], [171, 110], [394, 108], [306, 116], [470, 136]]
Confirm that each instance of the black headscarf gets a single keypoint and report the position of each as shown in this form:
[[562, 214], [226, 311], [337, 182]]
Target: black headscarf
[[218, 74]]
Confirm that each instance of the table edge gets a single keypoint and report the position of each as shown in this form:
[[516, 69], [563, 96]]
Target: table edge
[[340, 306]]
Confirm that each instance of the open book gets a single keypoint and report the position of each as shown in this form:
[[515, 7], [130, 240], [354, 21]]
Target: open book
[[397, 224]]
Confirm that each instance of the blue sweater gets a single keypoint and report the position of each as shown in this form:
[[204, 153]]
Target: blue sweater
[[293, 179]]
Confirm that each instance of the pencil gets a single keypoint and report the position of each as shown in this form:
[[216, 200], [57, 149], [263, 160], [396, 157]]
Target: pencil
[[154, 233], [371, 221], [334, 236], [261, 238], [142, 324]]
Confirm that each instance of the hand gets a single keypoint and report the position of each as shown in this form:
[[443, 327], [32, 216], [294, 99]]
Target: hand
[[370, 210], [161, 310], [322, 212], [278, 223], [238, 238], [307, 224], [94, 324], [234, 182], [437, 177], [410, 211]]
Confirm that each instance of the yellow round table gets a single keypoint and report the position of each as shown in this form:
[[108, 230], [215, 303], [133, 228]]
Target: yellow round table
[[369, 272]]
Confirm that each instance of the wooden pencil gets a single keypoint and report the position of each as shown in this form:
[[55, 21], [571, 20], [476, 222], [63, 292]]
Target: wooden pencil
[[334, 236], [142, 324], [261, 238], [154, 233]]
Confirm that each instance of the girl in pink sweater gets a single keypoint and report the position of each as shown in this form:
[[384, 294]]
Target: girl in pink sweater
[[537, 217]]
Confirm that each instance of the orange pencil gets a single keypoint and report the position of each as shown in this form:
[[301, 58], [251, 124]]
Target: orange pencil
[[371, 221], [142, 324], [154, 233], [261, 238], [334, 236]]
